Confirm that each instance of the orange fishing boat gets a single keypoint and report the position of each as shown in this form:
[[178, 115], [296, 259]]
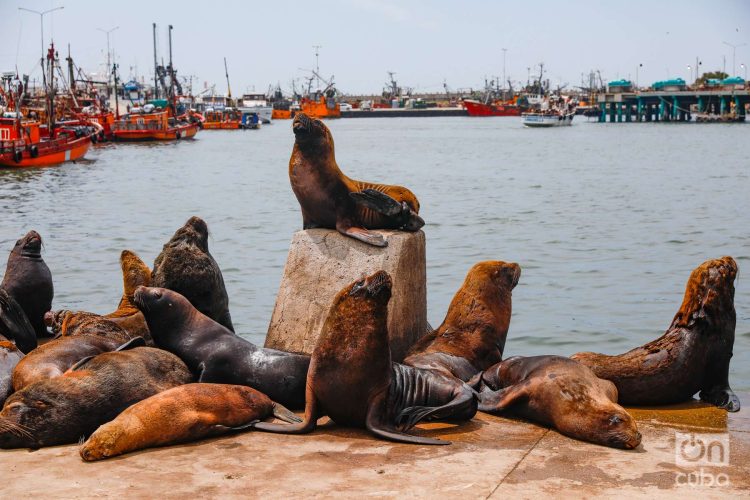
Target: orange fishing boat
[[151, 124], [29, 144], [222, 119], [320, 107]]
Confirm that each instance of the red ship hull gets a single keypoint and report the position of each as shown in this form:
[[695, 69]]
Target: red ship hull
[[476, 108]]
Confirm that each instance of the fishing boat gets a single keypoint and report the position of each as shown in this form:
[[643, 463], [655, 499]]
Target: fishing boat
[[222, 119], [258, 104], [149, 123], [476, 108], [549, 118]]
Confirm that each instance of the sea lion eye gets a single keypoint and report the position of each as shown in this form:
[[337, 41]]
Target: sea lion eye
[[157, 294], [357, 287], [614, 420]]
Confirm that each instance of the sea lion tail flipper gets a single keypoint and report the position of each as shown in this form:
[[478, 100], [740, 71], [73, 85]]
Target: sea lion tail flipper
[[377, 201], [132, 343], [307, 425], [377, 424], [462, 407], [80, 363], [497, 401], [223, 428], [363, 235], [282, 413]]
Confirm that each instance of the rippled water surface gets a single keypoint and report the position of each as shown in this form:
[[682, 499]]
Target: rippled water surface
[[607, 221]]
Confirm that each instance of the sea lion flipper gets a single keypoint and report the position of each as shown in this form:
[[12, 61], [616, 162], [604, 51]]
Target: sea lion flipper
[[307, 425], [376, 422], [722, 398], [497, 401], [80, 363], [377, 201], [132, 343], [462, 407], [223, 428], [363, 235], [282, 413]]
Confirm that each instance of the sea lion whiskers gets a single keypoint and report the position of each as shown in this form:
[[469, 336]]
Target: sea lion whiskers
[[17, 429]]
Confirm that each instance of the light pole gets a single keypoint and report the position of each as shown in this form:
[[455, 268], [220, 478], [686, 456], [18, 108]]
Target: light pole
[[109, 65], [734, 53], [690, 70], [41, 20], [742, 66], [637, 68], [504, 51]]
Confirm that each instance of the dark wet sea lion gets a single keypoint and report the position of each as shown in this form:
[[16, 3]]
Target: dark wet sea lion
[[56, 356], [693, 355], [9, 358], [352, 380], [560, 393], [14, 325], [215, 354], [186, 267], [64, 409], [29, 281], [195, 411], [330, 199], [472, 335]]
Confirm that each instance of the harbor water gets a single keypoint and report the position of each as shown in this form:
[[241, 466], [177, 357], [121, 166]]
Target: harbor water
[[606, 220]]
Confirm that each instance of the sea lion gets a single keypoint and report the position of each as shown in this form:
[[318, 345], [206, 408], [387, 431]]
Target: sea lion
[[330, 199], [182, 414], [10, 355], [352, 380], [29, 281], [63, 409], [216, 354], [186, 267], [560, 393], [65, 323], [693, 355], [56, 356], [472, 335], [14, 325]]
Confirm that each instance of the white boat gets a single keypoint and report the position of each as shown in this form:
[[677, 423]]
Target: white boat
[[256, 103], [548, 119]]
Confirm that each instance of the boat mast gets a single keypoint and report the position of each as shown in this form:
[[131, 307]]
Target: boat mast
[[229, 89], [51, 89], [156, 65], [117, 102], [172, 97]]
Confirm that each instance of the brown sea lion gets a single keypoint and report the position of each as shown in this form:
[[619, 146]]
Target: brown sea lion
[[186, 267], [14, 325], [472, 335], [693, 355], [560, 393], [330, 199], [9, 358], [182, 414], [56, 356], [127, 316], [216, 354], [64, 409], [352, 380], [29, 281]]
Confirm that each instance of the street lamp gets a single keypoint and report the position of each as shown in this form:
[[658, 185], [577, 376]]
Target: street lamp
[[734, 53], [690, 69], [109, 65], [742, 66], [640, 65], [41, 19]]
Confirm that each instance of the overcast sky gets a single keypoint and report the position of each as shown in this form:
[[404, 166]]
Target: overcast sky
[[423, 42]]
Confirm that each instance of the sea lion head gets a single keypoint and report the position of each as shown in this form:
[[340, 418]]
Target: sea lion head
[[503, 276], [613, 426], [709, 296], [105, 442], [28, 414], [134, 272], [29, 246], [161, 306], [311, 134], [362, 306], [194, 231], [489, 285]]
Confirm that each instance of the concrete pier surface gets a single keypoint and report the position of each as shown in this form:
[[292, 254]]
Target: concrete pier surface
[[491, 457]]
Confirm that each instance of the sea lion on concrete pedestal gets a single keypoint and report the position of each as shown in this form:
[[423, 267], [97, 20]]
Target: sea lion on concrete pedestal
[[329, 199], [182, 414], [56, 356], [215, 354], [560, 393], [693, 355], [352, 380], [9, 358], [186, 267], [64, 409], [472, 335], [29, 281], [14, 325]]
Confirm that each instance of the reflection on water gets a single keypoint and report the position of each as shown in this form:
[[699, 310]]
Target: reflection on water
[[607, 221]]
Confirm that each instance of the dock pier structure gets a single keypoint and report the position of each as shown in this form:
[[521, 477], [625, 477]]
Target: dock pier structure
[[672, 106]]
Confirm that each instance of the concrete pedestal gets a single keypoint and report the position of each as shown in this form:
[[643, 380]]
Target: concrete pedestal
[[321, 262]]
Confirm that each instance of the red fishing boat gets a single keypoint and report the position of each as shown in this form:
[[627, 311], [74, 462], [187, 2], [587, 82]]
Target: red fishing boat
[[152, 124], [29, 144], [476, 108]]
